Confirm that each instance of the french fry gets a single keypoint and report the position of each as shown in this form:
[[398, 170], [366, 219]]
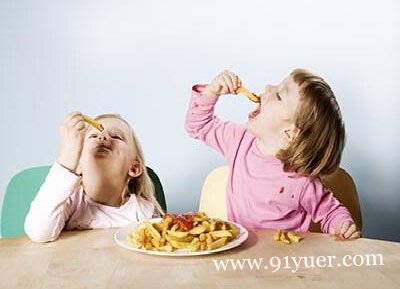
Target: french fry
[[166, 248], [93, 123], [158, 226], [234, 231], [206, 225], [195, 241], [178, 244], [141, 236], [202, 237], [162, 241], [209, 239], [166, 223], [283, 238], [155, 242], [286, 237], [277, 235], [212, 226], [177, 234], [153, 232], [182, 239], [217, 244], [174, 227], [194, 245], [202, 216], [293, 237], [251, 96], [197, 230], [220, 234]]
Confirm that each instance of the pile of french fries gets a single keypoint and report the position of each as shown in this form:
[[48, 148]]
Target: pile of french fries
[[194, 231], [286, 237]]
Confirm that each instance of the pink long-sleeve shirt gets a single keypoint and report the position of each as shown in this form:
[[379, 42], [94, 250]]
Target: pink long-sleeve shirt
[[62, 204], [260, 194]]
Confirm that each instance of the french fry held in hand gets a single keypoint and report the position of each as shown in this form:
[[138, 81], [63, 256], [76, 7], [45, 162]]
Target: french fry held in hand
[[93, 123], [252, 96], [286, 237], [194, 232]]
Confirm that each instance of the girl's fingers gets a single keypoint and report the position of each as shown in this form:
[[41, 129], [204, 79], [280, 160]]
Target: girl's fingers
[[70, 116], [239, 81], [335, 231], [350, 231], [355, 235], [235, 80], [222, 85], [81, 125], [229, 83], [343, 228], [74, 121]]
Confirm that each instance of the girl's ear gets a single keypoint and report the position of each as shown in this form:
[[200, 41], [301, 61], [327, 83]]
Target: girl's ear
[[135, 170], [291, 133]]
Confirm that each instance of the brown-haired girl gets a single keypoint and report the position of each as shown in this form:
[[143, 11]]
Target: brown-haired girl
[[295, 135]]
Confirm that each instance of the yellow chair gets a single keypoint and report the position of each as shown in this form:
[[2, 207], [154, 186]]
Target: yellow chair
[[213, 194]]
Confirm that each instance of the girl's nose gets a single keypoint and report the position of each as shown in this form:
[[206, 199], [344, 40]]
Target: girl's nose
[[269, 88], [102, 137], [263, 97]]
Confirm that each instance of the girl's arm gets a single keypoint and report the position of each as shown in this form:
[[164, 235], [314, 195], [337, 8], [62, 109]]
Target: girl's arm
[[201, 123], [323, 207], [52, 206]]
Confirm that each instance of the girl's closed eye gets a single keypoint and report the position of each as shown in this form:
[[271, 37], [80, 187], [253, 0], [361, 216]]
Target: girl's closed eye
[[93, 135], [117, 136]]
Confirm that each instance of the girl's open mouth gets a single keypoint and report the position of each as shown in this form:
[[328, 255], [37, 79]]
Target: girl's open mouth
[[254, 113]]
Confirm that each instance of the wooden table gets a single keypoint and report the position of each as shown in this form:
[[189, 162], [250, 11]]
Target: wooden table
[[91, 259]]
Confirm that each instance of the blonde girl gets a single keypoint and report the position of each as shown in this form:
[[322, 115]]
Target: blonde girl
[[98, 181]]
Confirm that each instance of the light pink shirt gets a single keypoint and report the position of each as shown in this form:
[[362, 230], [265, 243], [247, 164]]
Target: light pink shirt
[[62, 204], [260, 194]]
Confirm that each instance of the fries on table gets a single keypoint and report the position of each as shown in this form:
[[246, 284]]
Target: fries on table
[[286, 237]]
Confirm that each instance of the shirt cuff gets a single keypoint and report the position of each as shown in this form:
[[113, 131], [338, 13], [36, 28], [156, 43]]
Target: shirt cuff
[[197, 90]]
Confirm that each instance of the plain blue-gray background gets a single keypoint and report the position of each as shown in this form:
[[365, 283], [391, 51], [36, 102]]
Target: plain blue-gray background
[[140, 59]]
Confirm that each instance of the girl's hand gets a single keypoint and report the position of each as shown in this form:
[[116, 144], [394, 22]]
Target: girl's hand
[[225, 83], [346, 231], [72, 133]]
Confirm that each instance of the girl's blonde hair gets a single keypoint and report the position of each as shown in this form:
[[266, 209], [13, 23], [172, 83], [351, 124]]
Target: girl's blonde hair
[[318, 147], [141, 186]]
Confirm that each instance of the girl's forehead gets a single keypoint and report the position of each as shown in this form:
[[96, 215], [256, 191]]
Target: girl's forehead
[[290, 85]]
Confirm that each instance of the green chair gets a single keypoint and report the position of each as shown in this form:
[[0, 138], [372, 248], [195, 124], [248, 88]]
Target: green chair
[[23, 188]]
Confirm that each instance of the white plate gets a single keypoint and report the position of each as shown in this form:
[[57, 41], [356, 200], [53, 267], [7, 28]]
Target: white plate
[[121, 238]]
